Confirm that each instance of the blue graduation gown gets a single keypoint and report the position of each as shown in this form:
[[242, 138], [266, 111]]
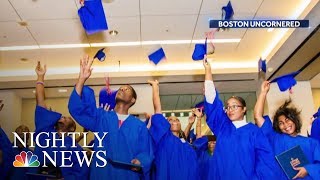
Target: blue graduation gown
[[204, 156], [7, 155], [242, 153], [131, 141], [174, 159], [315, 129], [44, 122], [283, 142]]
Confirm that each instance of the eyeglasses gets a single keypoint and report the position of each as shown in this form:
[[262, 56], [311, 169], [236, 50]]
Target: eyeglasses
[[233, 107]]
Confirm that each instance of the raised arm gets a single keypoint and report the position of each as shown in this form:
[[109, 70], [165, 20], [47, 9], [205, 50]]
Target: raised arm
[[155, 96], [198, 114], [191, 120], [40, 95], [258, 108], [85, 73]]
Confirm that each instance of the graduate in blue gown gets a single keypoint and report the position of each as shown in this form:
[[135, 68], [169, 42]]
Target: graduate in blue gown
[[174, 158], [242, 151], [49, 121], [20, 173], [283, 134], [204, 147], [315, 126], [6, 155], [128, 139]]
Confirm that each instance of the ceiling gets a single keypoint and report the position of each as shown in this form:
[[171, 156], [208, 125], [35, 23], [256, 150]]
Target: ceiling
[[55, 23]]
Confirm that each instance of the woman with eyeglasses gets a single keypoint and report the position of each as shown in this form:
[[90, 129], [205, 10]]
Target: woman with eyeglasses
[[174, 157], [283, 135], [242, 151]]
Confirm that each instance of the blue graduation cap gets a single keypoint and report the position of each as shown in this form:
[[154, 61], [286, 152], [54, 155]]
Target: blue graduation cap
[[100, 55], [317, 114], [157, 56], [227, 11], [106, 97], [199, 51], [92, 16], [262, 65], [200, 105], [287, 81]]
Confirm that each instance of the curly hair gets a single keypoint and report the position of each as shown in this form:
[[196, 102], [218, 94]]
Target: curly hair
[[291, 113]]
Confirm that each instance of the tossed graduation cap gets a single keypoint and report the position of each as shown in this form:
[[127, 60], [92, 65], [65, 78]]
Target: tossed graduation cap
[[157, 56], [317, 114], [199, 51], [262, 65], [200, 105], [106, 97], [92, 16], [100, 55], [227, 11], [287, 81]]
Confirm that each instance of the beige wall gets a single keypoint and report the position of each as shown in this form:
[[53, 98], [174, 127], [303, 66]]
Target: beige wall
[[316, 98], [10, 116]]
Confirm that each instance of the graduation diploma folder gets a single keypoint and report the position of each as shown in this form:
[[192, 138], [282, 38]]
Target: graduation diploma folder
[[122, 164], [293, 157]]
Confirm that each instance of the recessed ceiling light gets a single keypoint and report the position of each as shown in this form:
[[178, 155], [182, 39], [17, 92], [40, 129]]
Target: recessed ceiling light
[[24, 59], [270, 29], [34, 91], [62, 90], [270, 69], [23, 23], [108, 1], [113, 32]]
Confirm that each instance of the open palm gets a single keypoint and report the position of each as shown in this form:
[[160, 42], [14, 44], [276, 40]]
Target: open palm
[[41, 71], [85, 67]]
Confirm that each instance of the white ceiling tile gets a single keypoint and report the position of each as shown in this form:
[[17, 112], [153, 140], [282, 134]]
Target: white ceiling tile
[[121, 8], [285, 8], [243, 8], [254, 43], [203, 26], [68, 31], [12, 34], [46, 9], [7, 13], [127, 27], [167, 27], [170, 7]]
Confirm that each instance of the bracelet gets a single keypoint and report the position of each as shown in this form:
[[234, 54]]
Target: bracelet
[[40, 82]]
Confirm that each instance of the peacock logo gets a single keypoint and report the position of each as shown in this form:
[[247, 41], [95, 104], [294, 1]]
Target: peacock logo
[[26, 159]]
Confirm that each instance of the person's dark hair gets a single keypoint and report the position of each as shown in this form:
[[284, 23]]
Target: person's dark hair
[[241, 100], [72, 126], [291, 113], [182, 135], [134, 94]]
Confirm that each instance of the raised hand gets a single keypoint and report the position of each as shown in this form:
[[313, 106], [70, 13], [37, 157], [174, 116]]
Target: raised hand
[[206, 64], [197, 112], [41, 71], [191, 119], [152, 83], [265, 87], [85, 68]]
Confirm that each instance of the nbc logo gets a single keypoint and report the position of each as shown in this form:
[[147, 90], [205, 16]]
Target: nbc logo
[[26, 160]]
